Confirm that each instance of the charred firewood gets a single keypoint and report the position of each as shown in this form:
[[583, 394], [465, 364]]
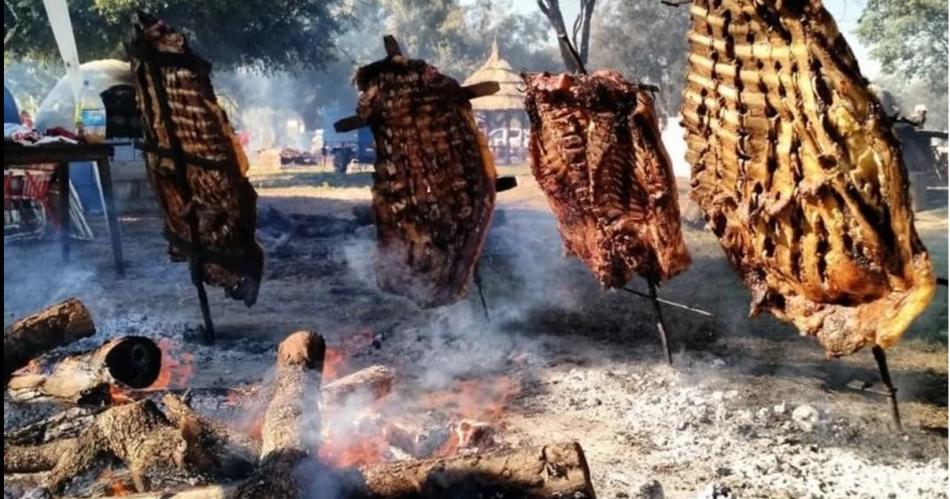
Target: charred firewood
[[55, 326], [139, 435], [87, 378], [799, 174], [596, 154], [374, 381], [291, 428], [434, 181], [66, 424], [234, 454], [546, 472], [195, 163]]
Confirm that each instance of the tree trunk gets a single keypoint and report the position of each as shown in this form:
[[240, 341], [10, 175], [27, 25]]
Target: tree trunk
[[53, 327], [130, 361], [552, 10], [587, 14]]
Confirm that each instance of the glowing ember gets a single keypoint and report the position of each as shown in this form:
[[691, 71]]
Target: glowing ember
[[483, 399], [177, 366], [333, 364], [354, 450], [115, 485], [118, 396]]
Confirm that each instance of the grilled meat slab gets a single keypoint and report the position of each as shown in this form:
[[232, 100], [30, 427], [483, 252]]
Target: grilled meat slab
[[173, 86], [434, 180], [799, 175], [596, 154]]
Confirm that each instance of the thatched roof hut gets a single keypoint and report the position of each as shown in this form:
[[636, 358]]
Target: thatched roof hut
[[501, 116], [508, 98]]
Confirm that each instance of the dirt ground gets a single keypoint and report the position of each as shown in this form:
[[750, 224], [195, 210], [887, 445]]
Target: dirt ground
[[749, 407]]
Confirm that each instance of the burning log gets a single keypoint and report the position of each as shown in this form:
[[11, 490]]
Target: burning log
[[53, 327], [549, 471], [130, 361], [376, 381], [291, 428], [545, 472], [139, 435], [234, 454]]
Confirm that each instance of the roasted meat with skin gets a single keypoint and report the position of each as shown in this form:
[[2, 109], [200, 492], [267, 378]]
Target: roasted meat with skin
[[434, 180], [596, 154], [799, 175], [183, 122]]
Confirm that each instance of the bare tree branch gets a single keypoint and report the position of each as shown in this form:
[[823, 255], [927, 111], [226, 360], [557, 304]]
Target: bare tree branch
[[552, 10], [586, 14]]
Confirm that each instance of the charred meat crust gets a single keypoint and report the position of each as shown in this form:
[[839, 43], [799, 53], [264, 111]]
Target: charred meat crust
[[216, 191], [434, 180], [597, 155]]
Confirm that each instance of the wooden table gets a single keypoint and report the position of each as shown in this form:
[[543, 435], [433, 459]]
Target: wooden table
[[62, 155]]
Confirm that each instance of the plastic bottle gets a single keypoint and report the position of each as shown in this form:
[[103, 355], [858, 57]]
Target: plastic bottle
[[90, 115]]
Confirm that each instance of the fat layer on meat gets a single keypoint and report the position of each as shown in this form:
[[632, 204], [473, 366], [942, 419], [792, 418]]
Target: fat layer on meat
[[799, 174], [596, 154]]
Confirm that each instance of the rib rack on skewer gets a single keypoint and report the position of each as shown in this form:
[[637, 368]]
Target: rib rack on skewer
[[597, 155], [799, 175], [434, 180], [195, 163]]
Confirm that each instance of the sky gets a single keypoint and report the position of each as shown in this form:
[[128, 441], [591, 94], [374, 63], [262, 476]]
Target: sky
[[845, 12]]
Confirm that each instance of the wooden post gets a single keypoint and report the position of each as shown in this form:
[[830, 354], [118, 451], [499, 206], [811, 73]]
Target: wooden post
[[104, 176], [62, 174]]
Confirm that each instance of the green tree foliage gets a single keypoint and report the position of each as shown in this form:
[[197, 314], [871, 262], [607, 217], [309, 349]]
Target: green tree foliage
[[457, 39], [646, 41], [264, 34], [909, 38]]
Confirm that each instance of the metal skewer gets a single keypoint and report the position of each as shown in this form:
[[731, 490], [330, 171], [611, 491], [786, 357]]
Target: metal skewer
[[660, 326], [660, 323], [477, 278], [881, 359], [694, 310]]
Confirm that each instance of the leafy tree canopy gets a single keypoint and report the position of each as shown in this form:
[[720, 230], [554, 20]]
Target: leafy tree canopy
[[909, 38], [646, 41], [264, 34]]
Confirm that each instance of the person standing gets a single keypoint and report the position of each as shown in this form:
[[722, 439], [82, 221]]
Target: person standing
[[25, 119]]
